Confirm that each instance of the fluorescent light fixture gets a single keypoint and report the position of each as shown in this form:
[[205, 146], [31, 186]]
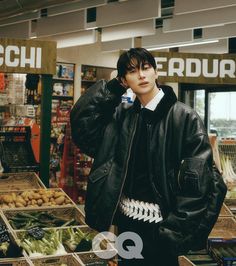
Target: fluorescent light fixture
[[181, 45]]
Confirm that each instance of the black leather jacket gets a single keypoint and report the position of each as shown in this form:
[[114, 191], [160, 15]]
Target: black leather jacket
[[188, 188]]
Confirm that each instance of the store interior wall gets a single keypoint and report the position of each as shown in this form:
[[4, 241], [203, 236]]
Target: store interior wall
[[88, 55], [92, 55]]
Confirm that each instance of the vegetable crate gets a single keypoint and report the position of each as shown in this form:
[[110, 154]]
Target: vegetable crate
[[10, 252], [91, 258], [55, 241], [195, 258], [23, 219], [16, 152], [20, 181], [66, 260], [224, 228], [225, 211], [34, 198], [15, 262], [224, 251]]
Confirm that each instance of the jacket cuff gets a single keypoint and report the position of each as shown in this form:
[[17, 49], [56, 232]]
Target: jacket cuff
[[115, 87]]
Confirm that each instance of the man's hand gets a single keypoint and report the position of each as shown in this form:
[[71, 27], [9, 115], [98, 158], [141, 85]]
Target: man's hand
[[121, 82]]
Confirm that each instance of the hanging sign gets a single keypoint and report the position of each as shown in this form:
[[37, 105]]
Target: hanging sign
[[196, 68], [27, 56]]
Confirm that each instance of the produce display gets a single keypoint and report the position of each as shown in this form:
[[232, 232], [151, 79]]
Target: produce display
[[34, 198], [8, 248], [55, 242], [23, 220], [39, 224]]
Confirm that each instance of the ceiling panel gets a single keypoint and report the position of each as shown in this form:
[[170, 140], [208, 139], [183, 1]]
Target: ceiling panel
[[20, 30], [165, 39], [74, 6], [128, 11], [128, 30], [74, 39], [64, 23], [189, 6], [202, 19], [117, 45], [220, 32]]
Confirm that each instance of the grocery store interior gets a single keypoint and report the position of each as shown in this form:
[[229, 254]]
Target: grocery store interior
[[51, 52]]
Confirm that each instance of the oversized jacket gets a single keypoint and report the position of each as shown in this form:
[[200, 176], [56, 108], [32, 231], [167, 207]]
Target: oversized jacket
[[185, 183]]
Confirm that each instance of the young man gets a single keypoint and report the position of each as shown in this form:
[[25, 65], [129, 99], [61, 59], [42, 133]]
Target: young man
[[153, 171]]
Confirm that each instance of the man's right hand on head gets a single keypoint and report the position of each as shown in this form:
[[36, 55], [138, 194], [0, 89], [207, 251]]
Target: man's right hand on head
[[121, 83]]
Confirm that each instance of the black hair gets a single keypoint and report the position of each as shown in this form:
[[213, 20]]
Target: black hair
[[132, 58]]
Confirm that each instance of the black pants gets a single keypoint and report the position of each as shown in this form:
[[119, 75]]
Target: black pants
[[154, 252]]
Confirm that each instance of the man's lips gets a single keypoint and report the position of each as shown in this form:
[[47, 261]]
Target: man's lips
[[143, 83]]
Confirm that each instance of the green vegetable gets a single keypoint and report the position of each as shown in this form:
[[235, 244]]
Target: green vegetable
[[4, 248], [50, 244], [75, 240]]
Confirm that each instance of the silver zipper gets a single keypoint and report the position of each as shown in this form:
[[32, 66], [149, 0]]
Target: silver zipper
[[126, 169], [178, 179]]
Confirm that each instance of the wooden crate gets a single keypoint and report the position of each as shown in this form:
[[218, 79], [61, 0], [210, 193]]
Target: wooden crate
[[184, 261], [225, 211], [20, 235], [15, 262], [69, 260], [20, 181], [91, 258], [40, 196], [225, 228], [66, 213], [224, 252]]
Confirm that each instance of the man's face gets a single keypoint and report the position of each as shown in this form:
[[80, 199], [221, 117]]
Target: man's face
[[140, 78]]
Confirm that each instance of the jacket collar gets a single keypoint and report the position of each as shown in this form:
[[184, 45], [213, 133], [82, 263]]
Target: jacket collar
[[167, 101]]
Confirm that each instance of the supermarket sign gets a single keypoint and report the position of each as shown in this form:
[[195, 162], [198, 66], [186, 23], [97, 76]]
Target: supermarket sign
[[196, 68], [27, 56]]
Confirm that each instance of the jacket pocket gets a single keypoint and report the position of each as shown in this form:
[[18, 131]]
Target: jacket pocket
[[100, 172], [190, 176]]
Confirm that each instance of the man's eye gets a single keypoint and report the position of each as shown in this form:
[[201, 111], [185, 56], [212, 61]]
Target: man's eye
[[146, 66], [132, 70]]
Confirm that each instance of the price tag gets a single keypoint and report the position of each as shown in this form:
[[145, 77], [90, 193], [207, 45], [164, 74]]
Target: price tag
[[36, 232], [4, 236]]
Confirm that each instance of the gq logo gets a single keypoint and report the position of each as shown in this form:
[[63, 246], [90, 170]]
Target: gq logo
[[129, 252]]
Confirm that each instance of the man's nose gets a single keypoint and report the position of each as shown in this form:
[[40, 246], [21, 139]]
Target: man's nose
[[141, 73]]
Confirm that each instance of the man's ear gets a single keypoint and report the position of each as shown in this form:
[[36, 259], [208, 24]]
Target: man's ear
[[156, 74]]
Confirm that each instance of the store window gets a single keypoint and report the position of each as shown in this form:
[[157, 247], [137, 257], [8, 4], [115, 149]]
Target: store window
[[222, 113], [214, 104]]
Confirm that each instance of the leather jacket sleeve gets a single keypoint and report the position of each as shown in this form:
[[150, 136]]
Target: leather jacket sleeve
[[200, 194], [92, 112]]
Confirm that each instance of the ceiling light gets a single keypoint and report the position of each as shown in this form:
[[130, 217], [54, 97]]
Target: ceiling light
[[181, 45]]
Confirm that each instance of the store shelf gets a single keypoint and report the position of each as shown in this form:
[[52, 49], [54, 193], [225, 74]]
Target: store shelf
[[62, 97], [91, 74], [63, 79]]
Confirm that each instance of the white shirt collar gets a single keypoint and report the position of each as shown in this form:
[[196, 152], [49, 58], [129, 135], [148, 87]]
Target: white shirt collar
[[154, 101]]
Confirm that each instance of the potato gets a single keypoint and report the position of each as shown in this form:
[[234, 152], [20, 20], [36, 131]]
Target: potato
[[60, 200], [18, 204], [39, 202], [7, 198]]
